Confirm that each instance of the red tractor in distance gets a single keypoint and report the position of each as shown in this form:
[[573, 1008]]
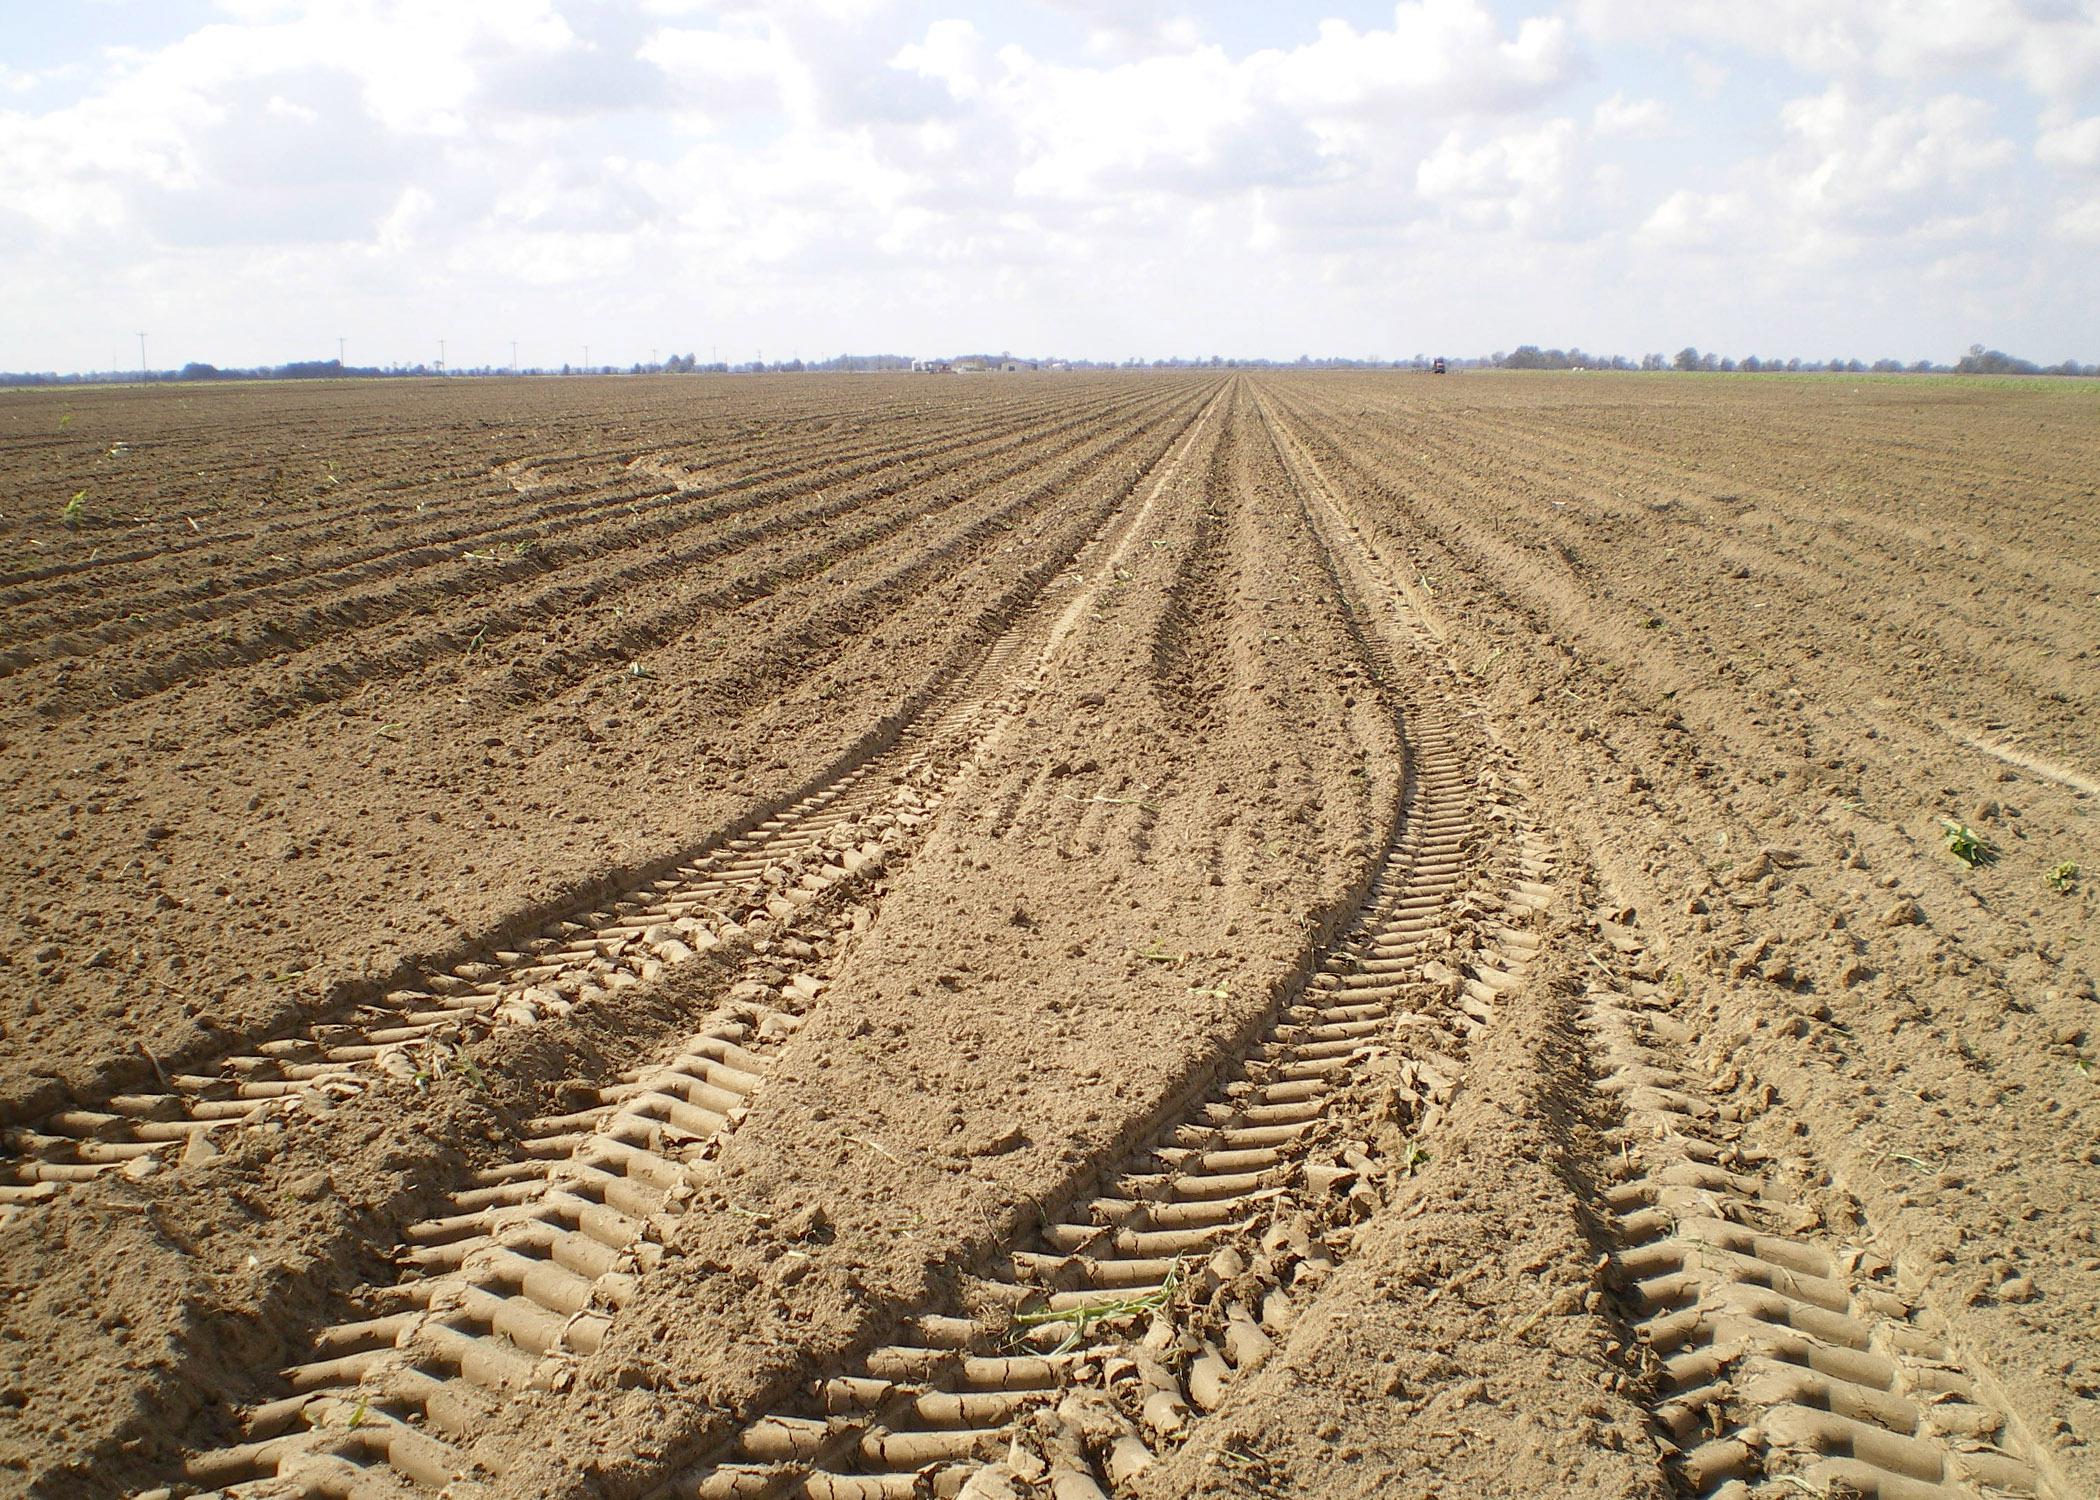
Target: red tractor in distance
[[1436, 366]]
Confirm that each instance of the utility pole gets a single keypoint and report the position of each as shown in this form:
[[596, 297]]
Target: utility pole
[[142, 358], [338, 351], [513, 356], [441, 356], [586, 359], [652, 359]]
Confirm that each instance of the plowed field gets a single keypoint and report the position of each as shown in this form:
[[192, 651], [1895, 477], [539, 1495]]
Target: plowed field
[[1224, 934]]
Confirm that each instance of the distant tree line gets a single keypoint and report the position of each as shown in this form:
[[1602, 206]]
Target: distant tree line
[[1978, 361]]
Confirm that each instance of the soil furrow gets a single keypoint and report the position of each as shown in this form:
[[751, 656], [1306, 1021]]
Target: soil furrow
[[400, 584], [1189, 665], [565, 962], [514, 1290]]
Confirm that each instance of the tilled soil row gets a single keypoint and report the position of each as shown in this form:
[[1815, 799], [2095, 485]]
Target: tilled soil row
[[816, 634], [1426, 1217], [527, 1264], [524, 568], [572, 960], [1212, 1234], [332, 523]]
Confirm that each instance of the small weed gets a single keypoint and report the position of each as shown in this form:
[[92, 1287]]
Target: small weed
[[475, 644], [441, 1060], [636, 669], [1967, 845], [1158, 955], [1216, 992], [2063, 879], [2084, 1064], [359, 1412], [1084, 1318], [1414, 1158], [1125, 802], [71, 513]]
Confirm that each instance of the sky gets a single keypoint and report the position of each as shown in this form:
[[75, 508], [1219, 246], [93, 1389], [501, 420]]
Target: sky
[[248, 181]]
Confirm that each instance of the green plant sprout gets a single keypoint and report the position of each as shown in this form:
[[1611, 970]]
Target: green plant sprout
[[1966, 844], [1084, 1317], [440, 1060], [2063, 879], [73, 510]]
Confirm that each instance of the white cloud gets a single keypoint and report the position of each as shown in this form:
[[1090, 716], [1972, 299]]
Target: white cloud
[[747, 65], [953, 53], [1438, 54], [2053, 48], [1851, 179], [1515, 179], [396, 232], [1635, 118], [884, 174], [2073, 146], [2078, 221], [1873, 171], [1692, 220]]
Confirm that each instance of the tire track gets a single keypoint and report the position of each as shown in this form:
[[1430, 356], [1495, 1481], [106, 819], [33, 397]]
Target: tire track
[[535, 1257], [1099, 1343], [1782, 1361], [567, 961], [1783, 1357], [1136, 1308]]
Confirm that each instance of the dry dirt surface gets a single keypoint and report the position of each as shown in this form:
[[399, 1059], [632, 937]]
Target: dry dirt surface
[[1051, 936]]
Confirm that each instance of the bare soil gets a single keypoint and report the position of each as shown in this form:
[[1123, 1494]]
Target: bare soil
[[1014, 784]]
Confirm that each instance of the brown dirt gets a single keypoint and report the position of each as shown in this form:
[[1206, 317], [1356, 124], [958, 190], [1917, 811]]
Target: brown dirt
[[1728, 650]]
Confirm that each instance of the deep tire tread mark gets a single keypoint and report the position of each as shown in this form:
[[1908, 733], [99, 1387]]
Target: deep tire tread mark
[[1216, 1232], [1779, 1360]]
